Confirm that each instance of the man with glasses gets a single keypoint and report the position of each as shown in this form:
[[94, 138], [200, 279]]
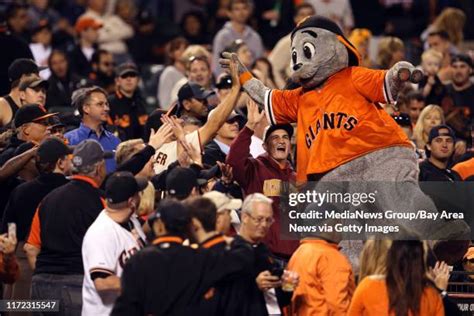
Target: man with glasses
[[94, 109], [127, 107], [263, 295]]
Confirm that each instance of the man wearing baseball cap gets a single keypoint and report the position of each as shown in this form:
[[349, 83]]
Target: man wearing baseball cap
[[59, 226], [81, 56], [33, 91], [127, 106], [266, 173], [114, 237], [31, 122], [53, 163], [168, 278], [226, 206], [461, 90], [192, 101], [19, 70], [440, 149], [181, 183]]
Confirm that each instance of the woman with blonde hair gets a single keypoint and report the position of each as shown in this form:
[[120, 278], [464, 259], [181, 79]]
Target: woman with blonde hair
[[390, 51], [432, 115], [373, 257], [360, 38]]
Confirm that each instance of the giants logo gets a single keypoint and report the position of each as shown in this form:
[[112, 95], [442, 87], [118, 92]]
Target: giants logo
[[330, 121], [125, 255]]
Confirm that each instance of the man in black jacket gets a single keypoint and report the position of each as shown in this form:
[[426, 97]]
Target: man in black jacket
[[168, 278], [440, 147]]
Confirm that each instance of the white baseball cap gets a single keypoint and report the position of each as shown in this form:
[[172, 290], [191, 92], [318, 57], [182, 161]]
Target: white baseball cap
[[222, 201]]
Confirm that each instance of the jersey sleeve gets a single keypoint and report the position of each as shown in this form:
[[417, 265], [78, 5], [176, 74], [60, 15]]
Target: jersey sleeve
[[98, 253], [34, 238], [281, 106], [371, 84]]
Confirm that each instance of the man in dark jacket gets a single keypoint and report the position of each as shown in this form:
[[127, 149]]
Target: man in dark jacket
[[440, 147], [266, 173], [168, 278]]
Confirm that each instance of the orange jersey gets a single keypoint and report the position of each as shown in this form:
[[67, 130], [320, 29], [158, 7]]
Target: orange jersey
[[338, 122], [465, 168]]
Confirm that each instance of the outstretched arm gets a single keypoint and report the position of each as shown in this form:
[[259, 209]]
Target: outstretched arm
[[254, 87]]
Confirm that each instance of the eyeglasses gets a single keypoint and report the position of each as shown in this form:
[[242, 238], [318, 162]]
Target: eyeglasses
[[100, 104], [260, 220]]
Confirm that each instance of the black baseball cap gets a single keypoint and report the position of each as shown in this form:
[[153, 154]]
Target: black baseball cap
[[40, 25], [172, 213], [192, 90], [30, 113], [435, 132], [51, 149], [22, 66], [271, 128], [180, 182], [122, 185], [126, 68], [89, 152], [33, 83], [224, 82], [463, 58]]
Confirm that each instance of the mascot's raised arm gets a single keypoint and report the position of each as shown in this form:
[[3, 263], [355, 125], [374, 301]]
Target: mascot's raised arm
[[343, 135]]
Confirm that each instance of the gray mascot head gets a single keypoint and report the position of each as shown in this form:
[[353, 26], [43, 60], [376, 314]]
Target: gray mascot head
[[319, 50]]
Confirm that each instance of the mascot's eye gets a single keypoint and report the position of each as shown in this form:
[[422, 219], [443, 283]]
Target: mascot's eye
[[308, 50], [294, 56]]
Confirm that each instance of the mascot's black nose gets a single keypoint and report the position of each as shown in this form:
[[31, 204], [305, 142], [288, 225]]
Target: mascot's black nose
[[297, 66]]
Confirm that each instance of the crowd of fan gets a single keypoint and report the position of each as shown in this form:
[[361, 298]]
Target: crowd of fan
[[138, 192]]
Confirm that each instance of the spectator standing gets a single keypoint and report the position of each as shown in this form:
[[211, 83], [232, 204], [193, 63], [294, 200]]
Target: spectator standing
[[112, 239], [461, 89], [114, 32], [102, 74], [440, 147], [58, 228], [266, 173], [53, 164], [18, 71], [405, 288], [169, 278], [127, 107], [236, 28], [81, 55], [33, 91], [94, 108], [199, 138], [226, 210], [173, 72], [31, 123], [62, 82], [326, 278], [40, 46], [439, 41]]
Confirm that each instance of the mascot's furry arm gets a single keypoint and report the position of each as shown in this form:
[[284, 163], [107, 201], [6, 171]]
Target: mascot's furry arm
[[395, 79]]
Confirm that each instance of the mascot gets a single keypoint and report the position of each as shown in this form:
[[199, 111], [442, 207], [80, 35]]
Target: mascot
[[342, 134]]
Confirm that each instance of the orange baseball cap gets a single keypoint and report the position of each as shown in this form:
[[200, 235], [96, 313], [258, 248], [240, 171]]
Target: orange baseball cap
[[469, 253], [85, 23]]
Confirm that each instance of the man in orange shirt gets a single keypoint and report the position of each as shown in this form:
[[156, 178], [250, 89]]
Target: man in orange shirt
[[343, 135]]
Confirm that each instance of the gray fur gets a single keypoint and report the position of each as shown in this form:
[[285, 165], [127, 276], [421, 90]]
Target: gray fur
[[256, 90], [330, 56], [394, 83]]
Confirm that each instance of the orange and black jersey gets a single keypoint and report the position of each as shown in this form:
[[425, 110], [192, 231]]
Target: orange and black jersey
[[339, 121], [128, 115]]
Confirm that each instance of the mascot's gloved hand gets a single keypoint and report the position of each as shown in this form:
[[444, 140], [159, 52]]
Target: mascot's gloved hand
[[225, 62], [398, 75], [254, 87]]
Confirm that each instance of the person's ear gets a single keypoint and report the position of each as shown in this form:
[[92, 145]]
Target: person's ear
[[159, 228], [428, 146], [264, 145], [117, 79], [195, 224], [22, 95]]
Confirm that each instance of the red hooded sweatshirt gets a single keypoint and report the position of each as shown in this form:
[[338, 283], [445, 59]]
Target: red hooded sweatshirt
[[262, 175]]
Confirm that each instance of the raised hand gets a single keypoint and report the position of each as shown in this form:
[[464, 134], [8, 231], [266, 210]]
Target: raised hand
[[162, 136], [227, 175], [193, 153], [176, 126], [254, 116], [228, 59]]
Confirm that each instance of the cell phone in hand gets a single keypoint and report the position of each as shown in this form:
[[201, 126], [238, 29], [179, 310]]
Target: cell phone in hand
[[277, 271], [11, 230]]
